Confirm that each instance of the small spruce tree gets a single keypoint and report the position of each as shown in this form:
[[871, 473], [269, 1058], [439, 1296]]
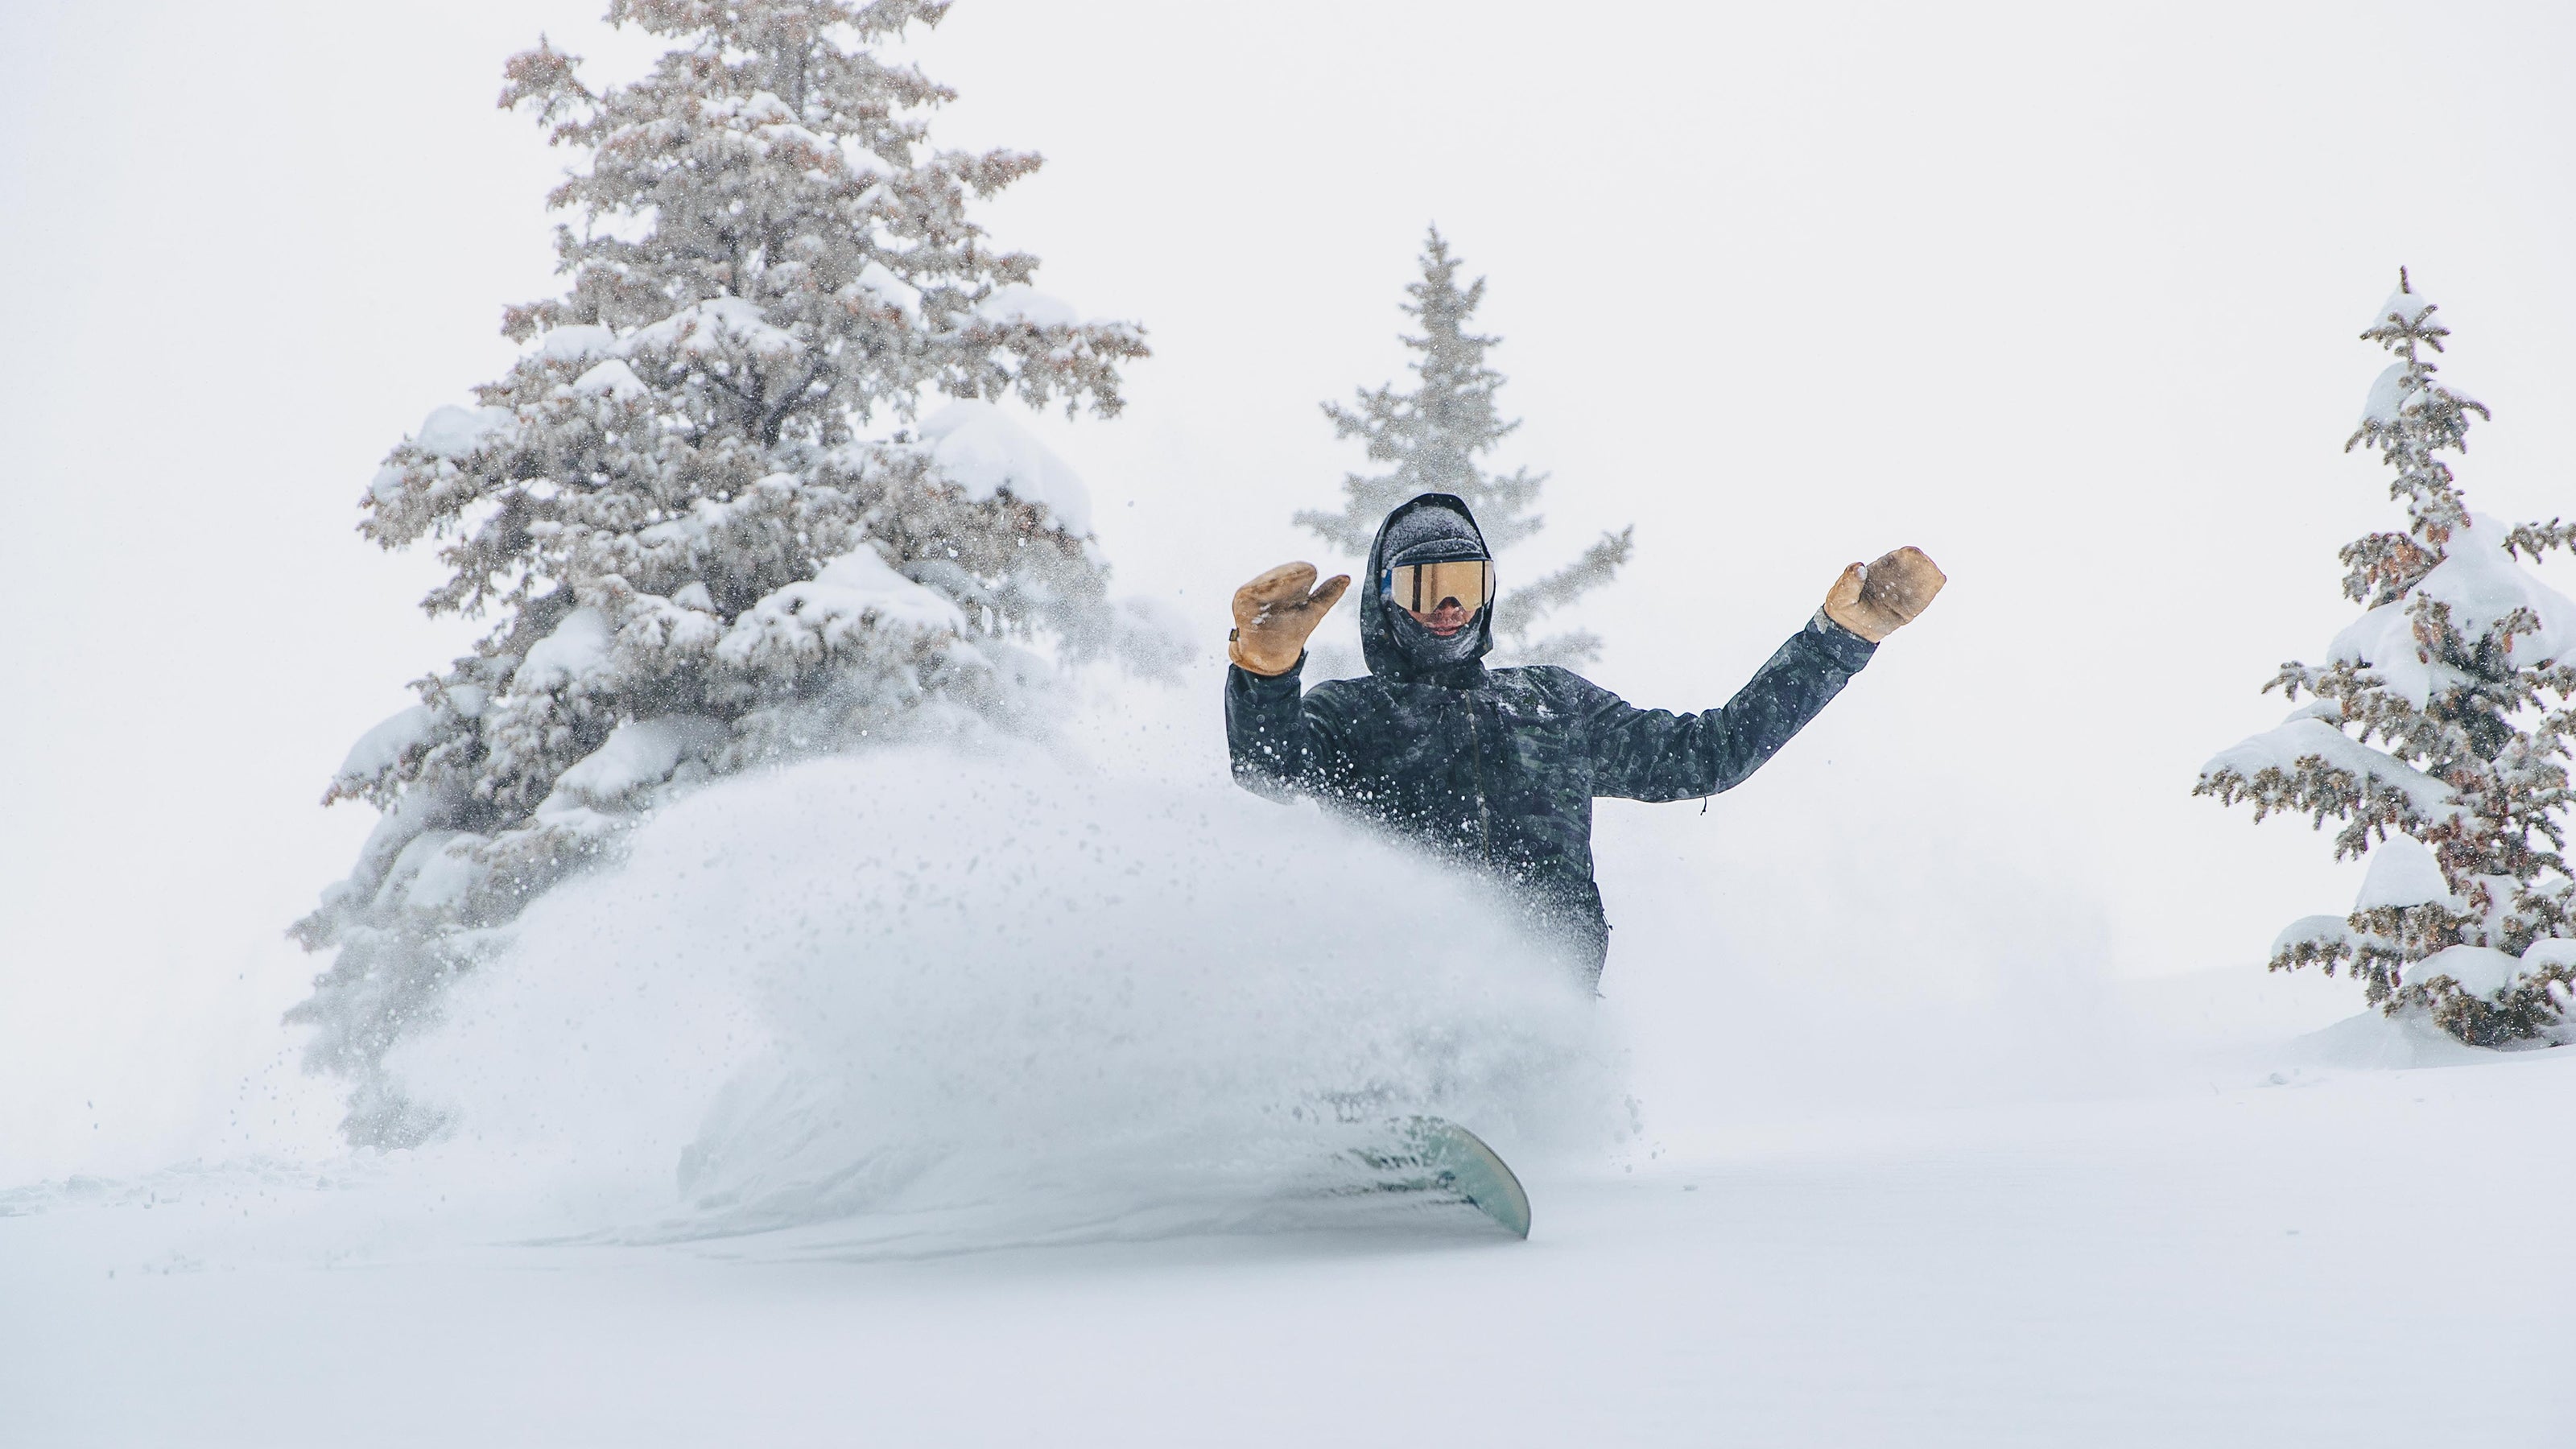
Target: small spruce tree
[[697, 554], [1432, 437], [2431, 731]]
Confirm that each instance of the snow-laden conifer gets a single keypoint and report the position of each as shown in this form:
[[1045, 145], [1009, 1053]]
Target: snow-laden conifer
[[1432, 437], [2437, 729], [701, 509]]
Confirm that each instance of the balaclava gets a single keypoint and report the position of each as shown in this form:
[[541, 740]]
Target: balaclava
[[1433, 532]]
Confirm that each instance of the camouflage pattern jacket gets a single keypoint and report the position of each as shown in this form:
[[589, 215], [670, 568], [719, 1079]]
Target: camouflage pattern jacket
[[1498, 768]]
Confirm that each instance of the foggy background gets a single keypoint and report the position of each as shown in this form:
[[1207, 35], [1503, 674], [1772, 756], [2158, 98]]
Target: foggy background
[[2067, 296]]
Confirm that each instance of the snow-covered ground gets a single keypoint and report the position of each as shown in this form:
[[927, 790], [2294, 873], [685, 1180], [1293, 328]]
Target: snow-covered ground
[[2346, 1257], [967, 1096]]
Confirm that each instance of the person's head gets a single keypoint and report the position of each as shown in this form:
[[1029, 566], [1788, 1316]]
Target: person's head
[[1433, 580]]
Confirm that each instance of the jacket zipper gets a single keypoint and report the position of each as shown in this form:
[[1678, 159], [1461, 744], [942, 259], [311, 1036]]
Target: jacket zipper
[[1476, 766]]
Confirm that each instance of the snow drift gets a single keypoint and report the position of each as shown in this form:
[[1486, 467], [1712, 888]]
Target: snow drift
[[990, 994]]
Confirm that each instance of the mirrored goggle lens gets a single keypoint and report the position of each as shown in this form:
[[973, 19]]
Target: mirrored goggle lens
[[1422, 588]]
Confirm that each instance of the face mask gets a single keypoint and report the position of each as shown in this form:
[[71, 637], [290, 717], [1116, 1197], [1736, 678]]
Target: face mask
[[1428, 650]]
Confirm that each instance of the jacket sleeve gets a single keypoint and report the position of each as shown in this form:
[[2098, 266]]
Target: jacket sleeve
[[1653, 754], [1280, 742]]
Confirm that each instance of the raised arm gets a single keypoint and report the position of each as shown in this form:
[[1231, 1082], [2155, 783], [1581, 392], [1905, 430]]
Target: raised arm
[[1653, 754], [1277, 744]]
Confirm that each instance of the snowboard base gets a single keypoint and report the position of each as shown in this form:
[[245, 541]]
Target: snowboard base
[[1434, 1155]]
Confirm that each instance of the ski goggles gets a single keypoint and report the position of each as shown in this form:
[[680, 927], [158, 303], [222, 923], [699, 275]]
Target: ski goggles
[[1422, 588]]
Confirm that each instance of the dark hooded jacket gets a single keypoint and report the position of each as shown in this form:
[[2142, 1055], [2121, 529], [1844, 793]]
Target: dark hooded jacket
[[1498, 768]]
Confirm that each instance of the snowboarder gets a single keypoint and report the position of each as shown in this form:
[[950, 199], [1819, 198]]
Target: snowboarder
[[1498, 768]]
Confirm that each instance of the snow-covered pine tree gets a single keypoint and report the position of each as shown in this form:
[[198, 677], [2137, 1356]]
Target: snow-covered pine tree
[[696, 554], [1433, 437], [2431, 732]]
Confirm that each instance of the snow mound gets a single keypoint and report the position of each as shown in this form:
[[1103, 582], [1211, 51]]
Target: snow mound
[[636, 755], [861, 581], [1018, 303], [2384, 640], [2373, 1042], [437, 869], [614, 378], [711, 326], [573, 342], [2387, 398], [2479, 970], [382, 747], [453, 432], [2554, 952], [996, 998], [577, 646], [977, 445], [879, 281], [856, 602], [2311, 931], [2403, 874]]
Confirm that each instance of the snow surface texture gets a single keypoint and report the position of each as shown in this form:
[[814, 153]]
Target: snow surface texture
[[2176, 1268], [1004, 988], [896, 1008]]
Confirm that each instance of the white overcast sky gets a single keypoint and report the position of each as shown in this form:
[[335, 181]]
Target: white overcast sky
[[2065, 294]]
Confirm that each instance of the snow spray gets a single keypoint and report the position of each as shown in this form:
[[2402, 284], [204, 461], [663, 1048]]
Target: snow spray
[[964, 995]]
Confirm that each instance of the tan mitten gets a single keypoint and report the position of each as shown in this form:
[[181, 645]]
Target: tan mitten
[[1275, 612], [1875, 600]]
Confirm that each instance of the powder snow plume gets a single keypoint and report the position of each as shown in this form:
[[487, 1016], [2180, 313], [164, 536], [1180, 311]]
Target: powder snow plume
[[949, 996]]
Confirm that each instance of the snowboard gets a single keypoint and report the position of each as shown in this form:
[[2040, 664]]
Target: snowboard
[[1434, 1155]]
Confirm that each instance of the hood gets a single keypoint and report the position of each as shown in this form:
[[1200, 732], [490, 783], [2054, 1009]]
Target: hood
[[1386, 656]]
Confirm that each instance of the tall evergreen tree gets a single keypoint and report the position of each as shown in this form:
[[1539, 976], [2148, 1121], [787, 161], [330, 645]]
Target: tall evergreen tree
[[2431, 733], [701, 508], [1432, 438]]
